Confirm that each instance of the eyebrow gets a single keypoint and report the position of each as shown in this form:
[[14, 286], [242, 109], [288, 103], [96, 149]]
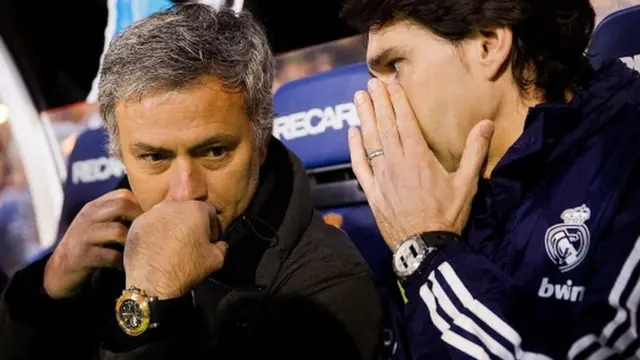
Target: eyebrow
[[382, 57], [214, 140]]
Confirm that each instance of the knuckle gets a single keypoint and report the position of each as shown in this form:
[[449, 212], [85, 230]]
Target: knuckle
[[88, 209], [112, 204], [85, 236], [202, 210], [176, 207], [118, 231], [72, 258], [112, 257], [133, 238], [93, 259], [200, 206], [387, 127], [62, 258], [367, 131], [120, 204], [133, 243], [159, 207], [124, 194], [76, 234]]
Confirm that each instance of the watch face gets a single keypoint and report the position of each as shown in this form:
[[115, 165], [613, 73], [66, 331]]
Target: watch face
[[133, 313], [408, 257]]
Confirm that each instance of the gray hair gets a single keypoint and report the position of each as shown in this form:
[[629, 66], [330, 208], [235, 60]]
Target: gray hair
[[176, 48]]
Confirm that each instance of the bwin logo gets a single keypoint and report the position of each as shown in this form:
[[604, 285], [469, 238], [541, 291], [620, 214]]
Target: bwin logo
[[92, 170], [315, 121], [562, 292]]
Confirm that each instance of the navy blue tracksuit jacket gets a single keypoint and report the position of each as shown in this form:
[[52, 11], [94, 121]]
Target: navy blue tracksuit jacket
[[550, 264]]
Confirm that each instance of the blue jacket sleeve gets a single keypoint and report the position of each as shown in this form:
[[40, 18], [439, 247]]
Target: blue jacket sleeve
[[463, 306]]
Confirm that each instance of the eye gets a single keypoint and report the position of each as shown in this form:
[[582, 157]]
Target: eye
[[394, 65], [217, 152], [152, 157]]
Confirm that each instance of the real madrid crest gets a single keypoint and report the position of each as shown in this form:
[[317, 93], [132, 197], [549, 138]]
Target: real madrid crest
[[567, 244]]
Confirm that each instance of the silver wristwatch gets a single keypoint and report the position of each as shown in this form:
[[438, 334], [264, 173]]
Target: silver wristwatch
[[410, 255]]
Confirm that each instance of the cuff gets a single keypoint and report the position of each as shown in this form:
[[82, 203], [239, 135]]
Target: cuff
[[431, 263], [29, 304]]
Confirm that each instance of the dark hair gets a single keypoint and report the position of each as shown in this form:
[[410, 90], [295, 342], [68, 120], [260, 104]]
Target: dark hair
[[549, 36]]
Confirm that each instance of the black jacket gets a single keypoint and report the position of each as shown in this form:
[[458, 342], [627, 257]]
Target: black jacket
[[301, 292], [3, 280]]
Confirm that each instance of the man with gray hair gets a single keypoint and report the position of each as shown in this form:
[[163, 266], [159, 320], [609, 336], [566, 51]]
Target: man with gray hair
[[222, 253]]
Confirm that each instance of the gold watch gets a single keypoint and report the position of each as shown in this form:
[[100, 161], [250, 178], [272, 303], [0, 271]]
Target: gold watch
[[135, 310]]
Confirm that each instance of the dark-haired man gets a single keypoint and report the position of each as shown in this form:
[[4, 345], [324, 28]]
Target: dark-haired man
[[503, 172]]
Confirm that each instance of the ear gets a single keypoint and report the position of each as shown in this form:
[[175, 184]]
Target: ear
[[492, 49]]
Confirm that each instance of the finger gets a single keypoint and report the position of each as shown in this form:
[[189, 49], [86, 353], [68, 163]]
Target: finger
[[385, 118], [367, 116], [218, 254], [222, 247], [117, 194], [214, 222], [107, 233], [475, 153], [113, 208], [408, 127], [359, 161], [99, 257]]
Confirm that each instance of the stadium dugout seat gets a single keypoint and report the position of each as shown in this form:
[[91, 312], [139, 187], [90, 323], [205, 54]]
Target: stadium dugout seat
[[617, 37], [313, 117], [91, 173]]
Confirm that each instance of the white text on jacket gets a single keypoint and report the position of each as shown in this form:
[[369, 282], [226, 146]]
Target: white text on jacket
[[561, 291]]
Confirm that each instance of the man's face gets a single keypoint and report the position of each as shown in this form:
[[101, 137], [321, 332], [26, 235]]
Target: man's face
[[194, 143], [440, 79]]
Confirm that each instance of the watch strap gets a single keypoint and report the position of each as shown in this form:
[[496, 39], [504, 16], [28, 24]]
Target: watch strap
[[416, 252], [162, 311], [438, 239]]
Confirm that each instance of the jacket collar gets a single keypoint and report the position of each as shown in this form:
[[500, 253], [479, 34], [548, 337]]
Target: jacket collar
[[260, 239], [550, 127], [550, 131]]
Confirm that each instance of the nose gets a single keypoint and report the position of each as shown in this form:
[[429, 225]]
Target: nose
[[187, 181]]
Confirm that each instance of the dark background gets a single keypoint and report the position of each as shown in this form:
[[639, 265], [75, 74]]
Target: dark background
[[57, 44]]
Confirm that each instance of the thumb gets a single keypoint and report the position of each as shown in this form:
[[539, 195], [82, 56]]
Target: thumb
[[475, 152]]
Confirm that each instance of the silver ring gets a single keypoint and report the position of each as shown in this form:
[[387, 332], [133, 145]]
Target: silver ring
[[375, 154]]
